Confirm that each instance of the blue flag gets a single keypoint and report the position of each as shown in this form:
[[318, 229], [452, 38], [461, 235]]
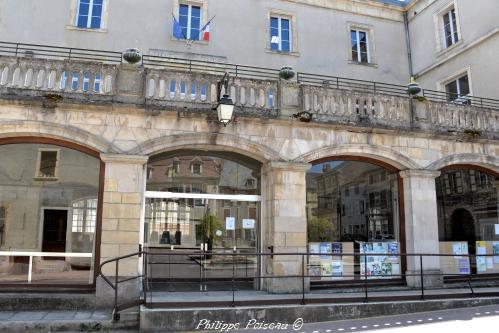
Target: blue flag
[[177, 29]]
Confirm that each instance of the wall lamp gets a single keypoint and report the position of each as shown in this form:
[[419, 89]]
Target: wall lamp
[[225, 106]]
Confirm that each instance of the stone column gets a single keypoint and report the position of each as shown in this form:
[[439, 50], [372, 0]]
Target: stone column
[[284, 224], [121, 216], [421, 225]]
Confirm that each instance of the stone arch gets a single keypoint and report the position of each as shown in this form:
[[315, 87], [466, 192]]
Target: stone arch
[[382, 154], [56, 131], [224, 142], [484, 161]]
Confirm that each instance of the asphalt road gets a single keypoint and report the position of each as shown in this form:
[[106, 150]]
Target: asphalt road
[[470, 320]]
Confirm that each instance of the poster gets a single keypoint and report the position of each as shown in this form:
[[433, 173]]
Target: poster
[[490, 263], [314, 270], [458, 249], [480, 264], [336, 248], [495, 250], [396, 269], [464, 266], [497, 229], [325, 248], [393, 248], [230, 223], [314, 254], [326, 269], [248, 224], [337, 268]]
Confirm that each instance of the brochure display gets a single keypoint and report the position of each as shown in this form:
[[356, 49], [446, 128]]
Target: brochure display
[[327, 263], [456, 264], [383, 263], [487, 264]]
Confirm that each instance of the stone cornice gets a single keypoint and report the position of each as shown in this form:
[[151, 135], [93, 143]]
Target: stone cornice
[[419, 174], [365, 7], [290, 166], [124, 159]]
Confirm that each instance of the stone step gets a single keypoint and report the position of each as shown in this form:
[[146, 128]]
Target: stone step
[[188, 319], [47, 301]]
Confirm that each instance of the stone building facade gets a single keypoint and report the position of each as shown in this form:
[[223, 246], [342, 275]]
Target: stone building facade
[[124, 117]]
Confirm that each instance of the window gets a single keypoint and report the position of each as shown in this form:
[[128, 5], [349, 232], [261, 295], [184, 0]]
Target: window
[[47, 163], [280, 34], [360, 46], [449, 22], [86, 81], [89, 14], [74, 80], [84, 215], [190, 21], [64, 80], [457, 88], [196, 168]]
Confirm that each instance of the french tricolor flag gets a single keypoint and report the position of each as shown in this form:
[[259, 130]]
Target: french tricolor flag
[[205, 31]]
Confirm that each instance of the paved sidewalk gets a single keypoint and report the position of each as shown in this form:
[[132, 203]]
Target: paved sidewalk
[[64, 321]]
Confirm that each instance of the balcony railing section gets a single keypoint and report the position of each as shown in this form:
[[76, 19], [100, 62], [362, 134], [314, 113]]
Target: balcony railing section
[[332, 104], [201, 88], [57, 76], [192, 84]]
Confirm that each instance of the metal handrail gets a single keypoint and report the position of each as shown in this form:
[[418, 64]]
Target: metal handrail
[[233, 278], [242, 71]]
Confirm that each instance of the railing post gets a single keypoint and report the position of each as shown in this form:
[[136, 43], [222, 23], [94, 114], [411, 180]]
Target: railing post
[[17, 49], [481, 102], [116, 315], [365, 277], [374, 87], [190, 66], [421, 275], [233, 278], [337, 83], [69, 56], [469, 279], [302, 279], [30, 268], [236, 70]]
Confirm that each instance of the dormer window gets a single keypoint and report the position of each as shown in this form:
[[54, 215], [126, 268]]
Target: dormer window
[[196, 168]]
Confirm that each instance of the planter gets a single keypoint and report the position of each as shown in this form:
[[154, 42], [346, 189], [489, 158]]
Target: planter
[[286, 73], [132, 56], [413, 88]]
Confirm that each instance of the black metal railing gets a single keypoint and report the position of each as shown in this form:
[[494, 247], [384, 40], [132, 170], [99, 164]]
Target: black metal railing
[[58, 53], [243, 71], [176, 278]]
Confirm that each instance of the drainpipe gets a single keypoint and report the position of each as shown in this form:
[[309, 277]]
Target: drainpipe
[[408, 43], [409, 60]]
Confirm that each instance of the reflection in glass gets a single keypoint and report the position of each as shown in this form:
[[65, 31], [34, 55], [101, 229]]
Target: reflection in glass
[[55, 212]]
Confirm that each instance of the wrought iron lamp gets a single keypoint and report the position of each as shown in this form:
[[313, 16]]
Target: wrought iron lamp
[[225, 106]]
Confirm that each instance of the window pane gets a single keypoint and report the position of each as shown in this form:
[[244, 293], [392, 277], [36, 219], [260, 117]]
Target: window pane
[[464, 87], [97, 10], [284, 24], [74, 81], [196, 12], [274, 22], [194, 34], [48, 162], [285, 46], [86, 81], [451, 89], [184, 10], [82, 21], [97, 83]]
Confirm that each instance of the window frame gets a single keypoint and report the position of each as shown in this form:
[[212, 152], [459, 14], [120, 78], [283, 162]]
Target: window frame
[[442, 84], [370, 45], [293, 34], [38, 174], [358, 48], [439, 22], [279, 33], [203, 4], [73, 20]]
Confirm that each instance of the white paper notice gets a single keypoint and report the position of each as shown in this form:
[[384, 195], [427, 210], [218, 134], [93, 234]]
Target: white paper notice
[[230, 223], [481, 250], [490, 263], [248, 224], [497, 229]]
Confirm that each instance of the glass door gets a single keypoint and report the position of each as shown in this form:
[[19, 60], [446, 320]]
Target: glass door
[[201, 240]]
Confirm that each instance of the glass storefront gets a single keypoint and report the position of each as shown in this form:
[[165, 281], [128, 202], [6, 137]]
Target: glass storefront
[[48, 214], [468, 220], [205, 206], [352, 207]]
